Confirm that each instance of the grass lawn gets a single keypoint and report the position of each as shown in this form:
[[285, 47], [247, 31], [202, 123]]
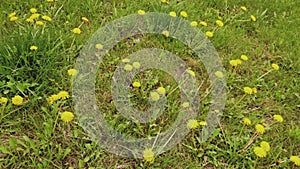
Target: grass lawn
[[258, 45]]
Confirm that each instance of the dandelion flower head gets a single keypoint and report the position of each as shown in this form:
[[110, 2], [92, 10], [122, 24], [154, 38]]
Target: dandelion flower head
[[128, 67], [148, 155], [192, 124], [183, 14], [3, 100], [173, 14], [161, 90], [63, 95], [278, 118], [260, 128], [17, 100], [136, 65], [260, 152], [33, 48], [275, 66], [194, 23], [246, 121], [154, 96], [76, 31], [296, 160], [136, 84], [72, 72], [265, 145], [209, 34], [67, 116], [141, 12]]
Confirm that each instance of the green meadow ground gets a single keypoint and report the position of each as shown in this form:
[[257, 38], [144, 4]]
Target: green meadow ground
[[32, 135]]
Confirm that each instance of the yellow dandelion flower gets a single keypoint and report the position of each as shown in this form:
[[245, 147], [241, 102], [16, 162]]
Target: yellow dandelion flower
[[128, 67], [76, 31], [264, 124], [99, 46], [136, 84], [278, 118], [265, 145], [30, 20], [194, 23], [166, 33], [203, 23], [33, 10], [84, 19], [63, 95], [126, 60], [34, 16], [202, 123], [296, 160], [161, 90], [17, 100], [253, 18], [50, 0], [192, 124], [209, 34], [33, 47], [246, 121], [12, 14], [260, 152], [53, 98], [148, 155], [248, 90], [185, 104], [219, 23], [275, 66], [136, 65], [238, 61], [233, 63], [244, 57], [67, 116], [254, 90], [40, 23], [183, 14], [173, 14], [192, 73], [260, 128], [154, 96], [46, 18], [243, 8], [3, 100], [14, 18], [141, 12], [72, 72], [219, 74], [165, 1]]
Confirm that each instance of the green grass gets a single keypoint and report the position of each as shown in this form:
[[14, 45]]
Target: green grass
[[33, 136]]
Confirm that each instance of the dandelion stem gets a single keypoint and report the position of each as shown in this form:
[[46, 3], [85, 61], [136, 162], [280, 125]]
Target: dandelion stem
[[264, 75], [250, 141], [80, 24], [55, 123], [239, 101], [255, 162], [155, 140], [241, 131], [193, 138], [2, 117], [73, 41], [58, 11]]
